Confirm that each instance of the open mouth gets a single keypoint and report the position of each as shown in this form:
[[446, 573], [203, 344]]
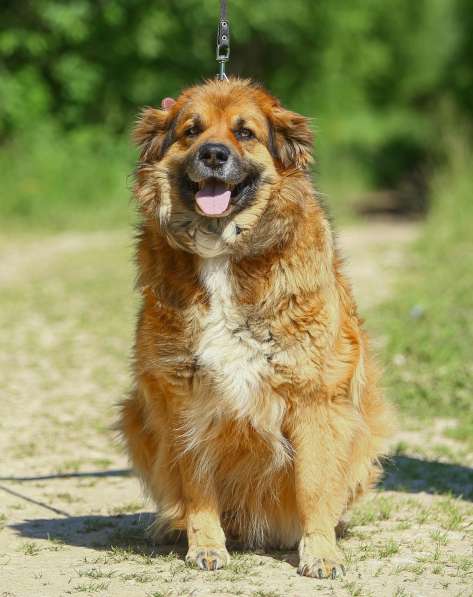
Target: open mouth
[[216, 198]]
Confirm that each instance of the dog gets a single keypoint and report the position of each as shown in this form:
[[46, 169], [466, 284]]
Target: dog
[[255, 413]]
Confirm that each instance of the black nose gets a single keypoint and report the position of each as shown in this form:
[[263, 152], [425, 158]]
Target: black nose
[[214, 154]]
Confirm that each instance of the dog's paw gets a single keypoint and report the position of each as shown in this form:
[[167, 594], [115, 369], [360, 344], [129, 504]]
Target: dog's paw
[[207, 558], [320, 568], [319, 557]]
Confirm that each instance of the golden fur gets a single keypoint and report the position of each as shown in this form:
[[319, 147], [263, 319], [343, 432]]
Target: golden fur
[[255, 412]]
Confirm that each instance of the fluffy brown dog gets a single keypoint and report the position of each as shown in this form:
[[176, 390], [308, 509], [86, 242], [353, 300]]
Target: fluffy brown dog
[[255, 412]]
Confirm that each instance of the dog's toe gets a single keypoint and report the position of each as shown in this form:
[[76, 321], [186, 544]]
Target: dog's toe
[[207, 558], [321, 568]]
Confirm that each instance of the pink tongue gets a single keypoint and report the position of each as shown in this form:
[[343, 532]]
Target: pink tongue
[[213, 198]]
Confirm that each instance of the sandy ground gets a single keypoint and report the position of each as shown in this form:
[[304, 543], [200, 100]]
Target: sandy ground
[[72, 519]]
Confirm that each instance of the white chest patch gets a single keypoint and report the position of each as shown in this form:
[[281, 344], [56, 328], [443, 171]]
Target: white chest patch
[[237, 364], [235, 359]]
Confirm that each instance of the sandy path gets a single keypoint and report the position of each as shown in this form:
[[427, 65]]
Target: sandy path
[[73, 521], [373, 253]]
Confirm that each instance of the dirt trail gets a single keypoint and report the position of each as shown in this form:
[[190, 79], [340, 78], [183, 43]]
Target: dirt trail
[[373, 254], [72, 520]]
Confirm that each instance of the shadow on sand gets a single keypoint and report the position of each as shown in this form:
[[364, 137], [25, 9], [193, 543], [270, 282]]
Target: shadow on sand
[[413, 475], [129, 531], [116, 472]]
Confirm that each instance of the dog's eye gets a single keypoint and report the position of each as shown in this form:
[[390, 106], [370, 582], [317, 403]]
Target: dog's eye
[[193, 131], [244, 133]]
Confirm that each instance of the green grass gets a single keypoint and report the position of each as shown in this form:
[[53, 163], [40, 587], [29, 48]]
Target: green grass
[[428, 325], [96, 573], [31, 549], [370, 511], [53, 179], [90, 588]]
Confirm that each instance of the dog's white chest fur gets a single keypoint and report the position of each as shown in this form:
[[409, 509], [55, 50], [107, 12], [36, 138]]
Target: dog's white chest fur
[[234, 359], [237, 364]]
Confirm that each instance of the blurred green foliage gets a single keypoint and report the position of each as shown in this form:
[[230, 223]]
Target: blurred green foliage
[[428, 324], [54, 180], [377, 73]]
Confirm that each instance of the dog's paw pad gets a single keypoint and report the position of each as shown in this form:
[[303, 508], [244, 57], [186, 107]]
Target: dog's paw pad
[[207, 558], [321, 568]]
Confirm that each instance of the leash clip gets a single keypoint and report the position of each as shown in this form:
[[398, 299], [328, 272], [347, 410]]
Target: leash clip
[[223, 47]]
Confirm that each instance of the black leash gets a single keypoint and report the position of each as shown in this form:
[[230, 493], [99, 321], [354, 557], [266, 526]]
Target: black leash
[[223, 41]]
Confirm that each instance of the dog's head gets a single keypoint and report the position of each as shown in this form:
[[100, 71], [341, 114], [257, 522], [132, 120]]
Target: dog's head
[[212, 161]]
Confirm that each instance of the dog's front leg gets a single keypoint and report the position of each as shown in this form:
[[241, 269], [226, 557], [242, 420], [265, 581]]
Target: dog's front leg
[[320, 448], [204, 532]]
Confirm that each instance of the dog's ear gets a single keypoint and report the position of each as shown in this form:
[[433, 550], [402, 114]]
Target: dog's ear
[[167, 103], [291, 138], [154, 132]]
